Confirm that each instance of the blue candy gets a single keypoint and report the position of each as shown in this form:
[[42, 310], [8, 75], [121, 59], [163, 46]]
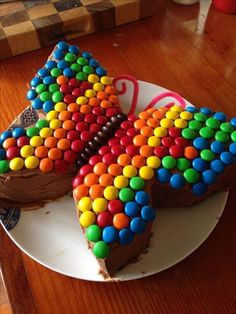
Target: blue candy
[[68, 72], [232, 148], [37, 104], [63, 45], [142, 197], [148, 213], [233, 121], [200, 143], [137, 225], [132, 209], [177, 181], [101, 71], [43, 72], [2, 154], [48, 106], [217, 147], [227, 158], [208, 176], [48, 80], [163, 175], [36, 81], [217, 165], [58, 54], [87, 55], [5, 135], [94, 63], [191, 109], [31, 94], [51, 64], [17, 132], [199, 164], [125, 236], [62, 64], [199, 188], [206, 110], [220, 116], [74, 49], [110, 234]]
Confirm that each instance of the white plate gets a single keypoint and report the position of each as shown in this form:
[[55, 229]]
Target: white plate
[[52, 236]]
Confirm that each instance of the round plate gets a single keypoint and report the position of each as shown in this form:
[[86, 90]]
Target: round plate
[[51, 235]]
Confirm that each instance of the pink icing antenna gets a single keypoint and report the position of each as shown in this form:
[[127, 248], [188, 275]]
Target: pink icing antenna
[[161, 96], [123, 89]]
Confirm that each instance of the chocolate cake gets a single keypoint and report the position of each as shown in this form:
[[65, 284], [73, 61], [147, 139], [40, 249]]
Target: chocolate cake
[[123, 167]]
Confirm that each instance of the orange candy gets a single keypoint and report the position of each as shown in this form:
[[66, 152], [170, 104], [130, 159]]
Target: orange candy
[[101, 95], [110, 90], [105, 104], [54, 153], [41, 151], [138, 161], [50, 142], [46, 165], [153, 122], [96, 191], [140, 140], [90, 179], [100, 168], [139, 123], [73, 107], [94, 102], [113, 99], [120, 221], [59, 133], [146, 151], [190, 152], [9, 142], [124, 160], [151, 110], [114, 170], [80, 191], [63, 144], [61, 80], [85, 109], [68, 125], [64, 115], [106, 179], [158, 114], [146, 131], [144, 115]]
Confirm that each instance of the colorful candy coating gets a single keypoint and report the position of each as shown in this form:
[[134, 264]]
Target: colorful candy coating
[[93, 233], [137, 225]]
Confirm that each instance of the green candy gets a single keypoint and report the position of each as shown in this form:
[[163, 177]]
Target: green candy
[[183, 164], [222, 136], [81, 76], [57, 96], [30, 132], [213, 123], [4, 166], [207, 132], [82, 61], [136, 183], [53, 88], [46, 96], [207, 155], [70, 57], [226, 127], [199, 116], [169, 162], [191, 175], [195, 125], [233, 136], [93, 233], [42, 123], [101, 249], [75, 67], [55, 72], [188, 134], [88, 69], [126, 195], [41, 88]]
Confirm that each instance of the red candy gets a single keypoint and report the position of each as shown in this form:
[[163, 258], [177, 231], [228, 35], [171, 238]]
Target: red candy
[[77, 92], [126, 140], [98, 111], [102, 120], [74, 82], [85, 85], [132, 132], [86, 169], [132, 150], [89, 118], [104, 219], [70, 156], [12, 152], [115, 207], [126, 125], [167, 141], [22, 141], [113, 141], [176, 151], [161, 151], [95, 159], [117, 150], [77, 117], [119, 133], [104, 150], [132, 117], [109, 159], [81, 126], [110, 112], [68, 99], [174, 132], [77, 181], [61, 165], [94, 128], [77, 145], [182, 141], [72, 135], [86, 136], [66, 89]]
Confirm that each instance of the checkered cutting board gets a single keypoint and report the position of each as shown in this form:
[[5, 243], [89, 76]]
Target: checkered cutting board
[[29, 25]]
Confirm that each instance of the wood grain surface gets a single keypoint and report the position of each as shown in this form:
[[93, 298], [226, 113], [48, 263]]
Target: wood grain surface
[[188, 49]]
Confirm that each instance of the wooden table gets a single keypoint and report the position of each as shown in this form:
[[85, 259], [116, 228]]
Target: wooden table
[[188, 51]]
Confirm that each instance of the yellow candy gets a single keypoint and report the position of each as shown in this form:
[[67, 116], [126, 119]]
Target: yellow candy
[[85, 203], [166, 123], [106, 80], [87, 218], [121, 182], [93, 78], [176, 108], [98, 87], [52, 115], [26, 151], [153, 162], [36, 141], [90, 93], [16, 164], [110, 193], [55, 124], [160, 131], [130, 171], [99, 205], [186, 115], [60, 106], [45, 132], [180, 123], [82, 100], [146, 172], [31, 162], [154, 141], [172, 115]]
